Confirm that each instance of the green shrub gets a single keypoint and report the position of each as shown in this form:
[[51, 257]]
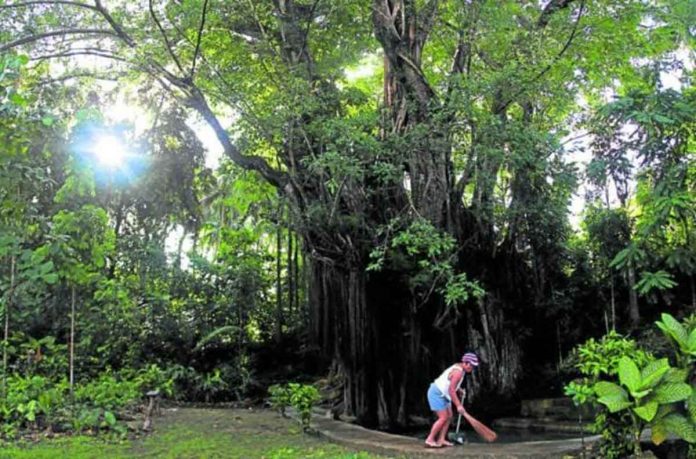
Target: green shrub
[[38, 402], [43, 357], [21, 405], [183, 380], [211, 384], [302, 397], [98, 401], [598, 359], [108, 393], [638, 390], [649, 396], [280, 397], [33, 402], [150, 378], [185, 383], [616, 432]]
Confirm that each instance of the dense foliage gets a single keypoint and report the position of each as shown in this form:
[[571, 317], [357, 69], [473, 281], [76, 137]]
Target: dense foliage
[[398, 181], [92, 280]]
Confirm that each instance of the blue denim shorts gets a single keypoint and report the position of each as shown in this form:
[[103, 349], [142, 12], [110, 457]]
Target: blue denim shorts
[[436, 400]]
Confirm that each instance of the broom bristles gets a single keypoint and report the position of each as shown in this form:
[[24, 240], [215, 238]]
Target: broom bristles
[[485, 432]]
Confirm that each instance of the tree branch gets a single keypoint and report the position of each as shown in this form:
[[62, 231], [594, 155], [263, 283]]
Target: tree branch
[[55, 33], [48, 2], [310, 17], [80, 52], [164, 35], [550, 9], [257, 163], [565, 48], [198, 39], [114, 25], [429, 13], [461, 62], [294, 50], [106, 77]]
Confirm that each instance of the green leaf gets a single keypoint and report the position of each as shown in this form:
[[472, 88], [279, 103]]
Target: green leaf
[[676, 375], [664, 410], [614, 397], [603, 388], [660, 280], [673, 329], [651, 374], [31, 410], [680, 426], [658, 433], [672, 392], [218, 333], [110, 418], [47, 120], [691, 342], [620, 259], [629, 375], [614, 402], [50, 278], [18, 100], [691, 407], [647, 412], [662, 119]]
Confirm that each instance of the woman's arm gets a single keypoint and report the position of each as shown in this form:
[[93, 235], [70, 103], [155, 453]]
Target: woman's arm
[[454, 378]]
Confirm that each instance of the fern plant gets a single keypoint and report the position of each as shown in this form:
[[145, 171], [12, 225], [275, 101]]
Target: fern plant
[[660, 280]]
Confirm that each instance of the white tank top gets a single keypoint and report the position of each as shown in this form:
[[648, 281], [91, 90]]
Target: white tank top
[[443, 383]]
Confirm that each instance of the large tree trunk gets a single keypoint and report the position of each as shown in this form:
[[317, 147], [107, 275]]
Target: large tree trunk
[[375, 334], [342, 326], [403, 31], [497, 344]]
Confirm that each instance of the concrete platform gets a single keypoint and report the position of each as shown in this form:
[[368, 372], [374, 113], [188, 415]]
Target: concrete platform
[[542, 425], [359, 438]]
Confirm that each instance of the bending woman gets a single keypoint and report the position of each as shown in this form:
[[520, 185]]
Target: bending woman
[[442, 393]]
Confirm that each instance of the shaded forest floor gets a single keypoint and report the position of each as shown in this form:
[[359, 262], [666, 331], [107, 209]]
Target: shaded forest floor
[[198, 433]]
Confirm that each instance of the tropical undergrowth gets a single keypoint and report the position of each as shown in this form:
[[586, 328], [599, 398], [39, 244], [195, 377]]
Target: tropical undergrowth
[[633, 389]]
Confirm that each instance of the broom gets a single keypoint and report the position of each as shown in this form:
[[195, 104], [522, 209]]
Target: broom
[[480, 428], [459, 438]]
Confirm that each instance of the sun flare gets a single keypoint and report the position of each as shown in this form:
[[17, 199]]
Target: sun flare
[[110, 152]]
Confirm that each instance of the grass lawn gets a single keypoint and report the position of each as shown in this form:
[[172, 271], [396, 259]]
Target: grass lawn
[[198, 433]]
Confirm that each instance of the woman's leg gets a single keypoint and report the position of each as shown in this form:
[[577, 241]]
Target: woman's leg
[[442, 438], [442, 420]]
